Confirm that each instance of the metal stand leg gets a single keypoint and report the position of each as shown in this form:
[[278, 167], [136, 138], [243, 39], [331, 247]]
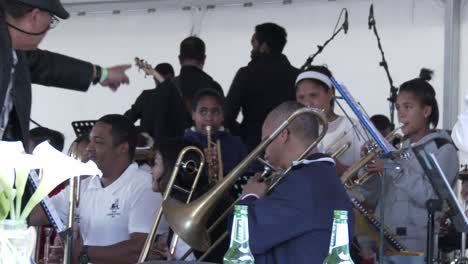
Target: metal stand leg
[[432, 205]]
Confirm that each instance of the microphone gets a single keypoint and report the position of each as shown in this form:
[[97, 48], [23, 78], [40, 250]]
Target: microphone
[[370, 21], [346, 23]]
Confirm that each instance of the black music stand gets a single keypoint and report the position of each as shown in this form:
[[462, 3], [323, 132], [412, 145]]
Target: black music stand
[[445, 194], [83, 127]]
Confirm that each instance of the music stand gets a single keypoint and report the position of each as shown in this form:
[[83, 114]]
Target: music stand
[[83, 127], [387, 150], [444, 192]]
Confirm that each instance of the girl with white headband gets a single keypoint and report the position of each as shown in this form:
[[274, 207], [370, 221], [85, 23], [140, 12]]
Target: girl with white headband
[[314, 89]]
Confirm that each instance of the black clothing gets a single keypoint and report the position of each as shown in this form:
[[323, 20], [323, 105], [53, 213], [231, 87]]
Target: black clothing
[[171, 116], [40, 67], [143, 109], [258, 88]]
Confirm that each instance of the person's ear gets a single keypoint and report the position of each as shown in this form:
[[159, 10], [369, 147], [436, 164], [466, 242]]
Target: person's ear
[[427, 111], [284, 136]]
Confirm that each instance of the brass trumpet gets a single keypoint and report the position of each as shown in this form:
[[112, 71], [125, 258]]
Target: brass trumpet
[[214, 175], [189, 221], [348, 176], [191, 167]]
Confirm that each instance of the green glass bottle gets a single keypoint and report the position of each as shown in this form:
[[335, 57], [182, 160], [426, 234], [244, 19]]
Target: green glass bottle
[[239, 250], [338, 253]]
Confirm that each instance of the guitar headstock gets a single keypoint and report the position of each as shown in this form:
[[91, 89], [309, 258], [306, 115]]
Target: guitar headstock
[[144, 66]]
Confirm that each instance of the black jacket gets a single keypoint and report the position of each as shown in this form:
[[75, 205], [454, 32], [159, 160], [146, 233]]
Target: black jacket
[[40, 67], [259, 87], [171, 116], [143, 109]]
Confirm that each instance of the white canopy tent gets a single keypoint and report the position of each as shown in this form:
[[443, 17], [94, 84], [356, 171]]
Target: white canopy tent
[[414, 33]]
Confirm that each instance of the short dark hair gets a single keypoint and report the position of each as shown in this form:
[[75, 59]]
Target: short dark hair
[[165, 69], [381, 122], [207, 93], [14, 8], [305, 127], [123, 131], [273, 35], [425, 93], [40, 134], [192, 48]]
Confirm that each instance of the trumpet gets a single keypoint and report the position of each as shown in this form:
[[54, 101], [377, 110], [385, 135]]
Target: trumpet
[[214, 175], [189, 221], [189, 166], [348, 177]]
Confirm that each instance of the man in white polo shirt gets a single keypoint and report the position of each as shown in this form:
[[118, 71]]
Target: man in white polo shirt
[[117, 210]]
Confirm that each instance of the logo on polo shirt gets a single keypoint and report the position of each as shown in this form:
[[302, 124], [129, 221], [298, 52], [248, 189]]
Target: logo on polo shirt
[[114, 209]]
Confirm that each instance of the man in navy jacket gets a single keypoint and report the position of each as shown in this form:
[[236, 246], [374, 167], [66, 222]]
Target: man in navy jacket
[[293, 224]]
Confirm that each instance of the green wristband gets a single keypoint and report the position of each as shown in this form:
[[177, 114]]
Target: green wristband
[[104, 74]]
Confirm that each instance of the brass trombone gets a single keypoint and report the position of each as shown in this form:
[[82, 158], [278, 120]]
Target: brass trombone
[[189, 221], [189, 166], [348, 176]]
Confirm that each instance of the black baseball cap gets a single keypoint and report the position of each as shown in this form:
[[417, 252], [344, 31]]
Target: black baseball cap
[[53, 6]]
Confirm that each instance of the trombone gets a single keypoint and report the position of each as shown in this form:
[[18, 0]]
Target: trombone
[[189, 221], [189, 166]]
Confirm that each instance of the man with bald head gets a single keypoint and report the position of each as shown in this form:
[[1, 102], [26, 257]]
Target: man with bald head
[[293, 223]]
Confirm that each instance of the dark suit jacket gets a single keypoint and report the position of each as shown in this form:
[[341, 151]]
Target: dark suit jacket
[[294, 223], [171, 114], [40, 67], [143, 109], [259, 87]]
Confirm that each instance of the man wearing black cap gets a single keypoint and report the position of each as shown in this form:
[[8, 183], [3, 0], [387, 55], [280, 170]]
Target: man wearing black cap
[[23, 25]]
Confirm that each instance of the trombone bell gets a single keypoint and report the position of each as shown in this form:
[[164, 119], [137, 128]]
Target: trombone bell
[[187, 223]]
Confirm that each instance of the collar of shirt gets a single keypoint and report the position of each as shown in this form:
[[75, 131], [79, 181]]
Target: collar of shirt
[[316, 157], [124, 179]]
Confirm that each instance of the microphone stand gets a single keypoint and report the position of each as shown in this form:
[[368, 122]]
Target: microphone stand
[[321, 47], [384, 64]]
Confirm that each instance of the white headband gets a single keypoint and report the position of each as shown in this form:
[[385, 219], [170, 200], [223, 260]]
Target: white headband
[[314, 75]]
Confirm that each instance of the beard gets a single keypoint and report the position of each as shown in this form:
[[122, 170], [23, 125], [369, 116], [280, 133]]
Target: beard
[[255, 54]]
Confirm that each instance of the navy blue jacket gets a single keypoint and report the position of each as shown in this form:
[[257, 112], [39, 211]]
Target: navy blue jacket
[[233, 150], [293, 224]]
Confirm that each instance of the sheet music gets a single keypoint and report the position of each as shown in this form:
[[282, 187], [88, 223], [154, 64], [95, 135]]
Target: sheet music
[[47, 205], [384, 145]]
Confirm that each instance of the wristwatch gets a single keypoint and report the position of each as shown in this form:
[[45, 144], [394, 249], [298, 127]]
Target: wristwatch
[[84, 257], [98, 74]]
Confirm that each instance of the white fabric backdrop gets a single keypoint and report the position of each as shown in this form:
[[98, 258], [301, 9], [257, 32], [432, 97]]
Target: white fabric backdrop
[[412, 34]]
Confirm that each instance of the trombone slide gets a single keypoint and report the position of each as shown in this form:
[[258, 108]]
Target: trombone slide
[[170, 186]]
